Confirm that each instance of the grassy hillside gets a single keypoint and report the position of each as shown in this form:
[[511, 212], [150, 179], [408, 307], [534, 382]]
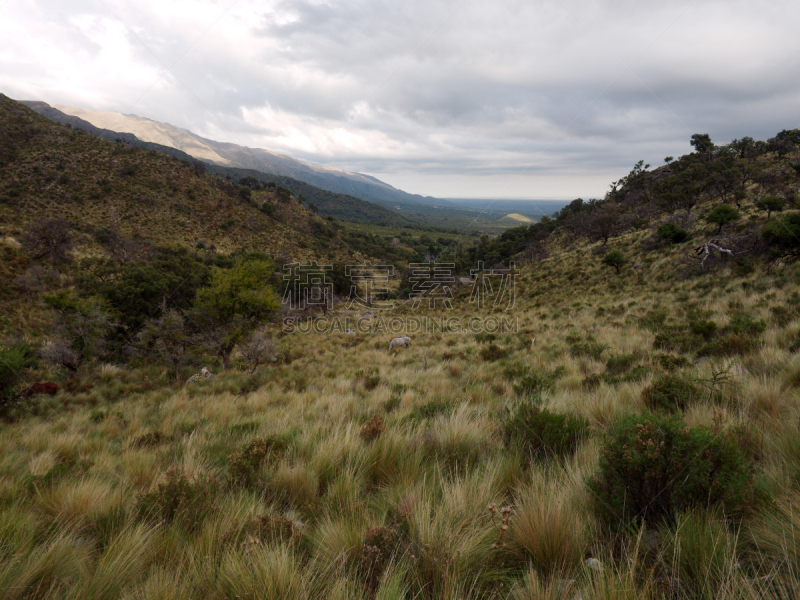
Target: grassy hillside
[[635, 433], [51, 171]]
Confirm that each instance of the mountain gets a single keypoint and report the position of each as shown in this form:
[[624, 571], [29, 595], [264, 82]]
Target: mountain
[[232, 155], [328, 204]]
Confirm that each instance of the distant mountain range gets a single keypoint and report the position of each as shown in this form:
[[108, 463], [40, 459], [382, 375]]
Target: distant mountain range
[[333, 192], [114, 125]]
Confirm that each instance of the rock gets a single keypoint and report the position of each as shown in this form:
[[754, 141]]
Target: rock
[[594, 564]]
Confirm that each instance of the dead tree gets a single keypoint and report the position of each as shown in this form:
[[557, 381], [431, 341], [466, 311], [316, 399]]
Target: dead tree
[[705, 250]]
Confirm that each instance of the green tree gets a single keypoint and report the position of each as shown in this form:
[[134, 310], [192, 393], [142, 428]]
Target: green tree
[[78, 332], [783, 236], [13, 360], [136, 291], [237, 300], [702, 143], [168, 338], [673, 233], [770, 204], [721, 215], [615, 259]]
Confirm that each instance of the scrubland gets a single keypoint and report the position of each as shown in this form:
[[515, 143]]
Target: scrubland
[[465, 466]]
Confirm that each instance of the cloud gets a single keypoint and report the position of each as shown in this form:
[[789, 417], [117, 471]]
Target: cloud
[[553, 98]]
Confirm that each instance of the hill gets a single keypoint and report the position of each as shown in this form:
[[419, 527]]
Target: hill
[[52, 171], [517, 218], [339, 206], [622, 422]]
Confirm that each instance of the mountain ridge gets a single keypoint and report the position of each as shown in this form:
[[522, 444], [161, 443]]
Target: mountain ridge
[[332, 179]]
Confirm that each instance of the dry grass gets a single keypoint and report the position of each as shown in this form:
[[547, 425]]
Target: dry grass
[[70, 483]]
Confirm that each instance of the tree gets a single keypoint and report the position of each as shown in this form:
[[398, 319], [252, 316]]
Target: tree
[[668, 159], [13, 360], [48, 238], [783, 236], [78, 333], [258, 348], [237, 300], [673, 233], [136, 290], [603, 223], [721, 215], [168, 338], [615, 259], [770, 204], [702, 143]]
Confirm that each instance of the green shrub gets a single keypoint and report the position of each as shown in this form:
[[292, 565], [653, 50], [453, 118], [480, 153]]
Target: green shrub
[[729, 345], [673, 233], [670, 393], [179, 500], [742, 323], [13, 360], [245, 463], [428, 411], [380, 546], [671, 362], [620, 363], [537, 381], [782, 315], [370, 380], [705, 329], [542, 434], [652, 466], [677, 339], [493, 352], [589, 348], [615, 259]]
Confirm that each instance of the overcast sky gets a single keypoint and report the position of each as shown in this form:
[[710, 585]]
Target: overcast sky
[[450, 98]]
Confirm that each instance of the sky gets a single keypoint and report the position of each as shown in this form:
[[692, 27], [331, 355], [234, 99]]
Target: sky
[[450, 98]]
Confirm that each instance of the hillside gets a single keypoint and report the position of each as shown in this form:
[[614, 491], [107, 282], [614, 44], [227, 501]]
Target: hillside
[[517, 218], [339, 206], [232, 155], [624, 423], [51, 171]]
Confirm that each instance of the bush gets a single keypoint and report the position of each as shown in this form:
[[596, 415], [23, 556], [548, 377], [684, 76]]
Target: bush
[[729, 345], [245, 463], [179, 500], [652, 466], [428, 411], [537, 381], [615, 259], [493, 352], [542, 434], [372, 429], [673, 233], [370, 380], [743, 324], [671, 362], [670, 393], [620, 363], [677, 339], [589, 348], [705, 329], [380, 546], [13, 360]]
